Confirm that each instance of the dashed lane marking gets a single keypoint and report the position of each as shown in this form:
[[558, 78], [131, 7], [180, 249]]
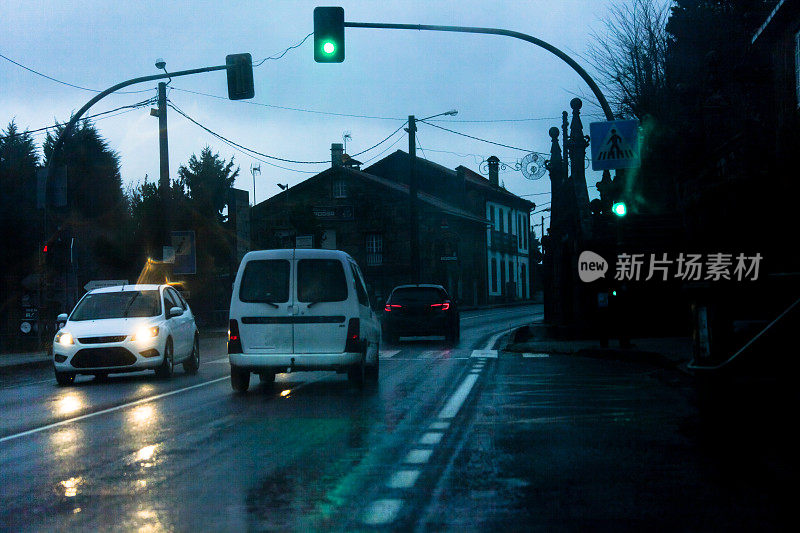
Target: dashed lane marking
[[418, 456], [535, 355], [403, 479], [389, 353], [440, 425], [431, 438], [484, 354], [382, 512]]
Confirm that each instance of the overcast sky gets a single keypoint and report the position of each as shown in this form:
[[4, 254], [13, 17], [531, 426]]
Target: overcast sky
[[386, 73]]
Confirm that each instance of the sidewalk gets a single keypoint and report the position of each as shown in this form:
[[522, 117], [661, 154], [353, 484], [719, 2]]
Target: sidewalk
[[671, 352]]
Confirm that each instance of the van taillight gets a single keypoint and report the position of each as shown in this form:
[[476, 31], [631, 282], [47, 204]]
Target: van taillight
[[234, 340], [353, 343]]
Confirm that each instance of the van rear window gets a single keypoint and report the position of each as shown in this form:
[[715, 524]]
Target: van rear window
[[321, 280], [265, 281]]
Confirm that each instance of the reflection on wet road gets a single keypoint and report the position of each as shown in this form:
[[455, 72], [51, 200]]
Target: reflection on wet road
[[311, 451]]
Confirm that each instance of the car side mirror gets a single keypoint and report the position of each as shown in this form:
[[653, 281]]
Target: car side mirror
[[62, 317], [174, 311]]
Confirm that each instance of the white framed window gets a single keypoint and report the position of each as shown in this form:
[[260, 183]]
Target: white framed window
[[374, 249], [339, 188]]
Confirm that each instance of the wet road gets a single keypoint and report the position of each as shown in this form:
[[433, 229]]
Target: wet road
[[462, 439], [313, 452]]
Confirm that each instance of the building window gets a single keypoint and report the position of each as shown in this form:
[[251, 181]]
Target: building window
[[491, 215], [501, 219], [339, 189], [523, 280], [510, 225], [374, 249], [493, 274]]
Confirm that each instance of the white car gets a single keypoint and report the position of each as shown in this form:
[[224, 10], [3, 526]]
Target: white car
[[126, 329], [301, 309]]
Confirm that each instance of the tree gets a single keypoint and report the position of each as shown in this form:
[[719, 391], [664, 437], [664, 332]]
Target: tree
[[630, 58], [207, 180], [94, 183]]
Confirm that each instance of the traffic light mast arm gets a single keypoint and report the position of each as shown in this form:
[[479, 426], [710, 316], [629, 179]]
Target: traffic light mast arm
[[76, 117], [497, 31]]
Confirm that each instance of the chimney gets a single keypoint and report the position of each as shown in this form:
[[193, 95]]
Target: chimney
[[337, 150], [494, 166]]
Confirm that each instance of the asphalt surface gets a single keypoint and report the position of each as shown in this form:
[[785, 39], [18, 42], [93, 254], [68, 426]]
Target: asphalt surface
[[449, 439]]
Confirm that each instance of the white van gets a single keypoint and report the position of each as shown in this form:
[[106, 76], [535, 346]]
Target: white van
[[298, 310]]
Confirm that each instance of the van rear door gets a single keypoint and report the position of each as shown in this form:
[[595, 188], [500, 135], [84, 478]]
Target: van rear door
[[322, 306], [266, 306]]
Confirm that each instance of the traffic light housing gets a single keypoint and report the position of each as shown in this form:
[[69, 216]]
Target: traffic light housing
[[328, 34], [240, 76]]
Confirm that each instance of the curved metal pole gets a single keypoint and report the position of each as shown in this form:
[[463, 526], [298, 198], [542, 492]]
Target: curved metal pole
[[76, 117], [497, 31]]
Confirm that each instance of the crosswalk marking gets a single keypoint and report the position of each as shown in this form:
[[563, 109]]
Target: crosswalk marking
[[389, 353], [484, 354]]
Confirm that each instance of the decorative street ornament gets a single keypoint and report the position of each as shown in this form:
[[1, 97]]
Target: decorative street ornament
[[532, 166]]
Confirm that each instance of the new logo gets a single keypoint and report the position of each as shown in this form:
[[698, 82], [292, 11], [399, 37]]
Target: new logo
[[591, 266]]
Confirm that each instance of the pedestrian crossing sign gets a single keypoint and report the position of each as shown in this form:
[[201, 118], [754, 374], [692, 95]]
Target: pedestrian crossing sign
[[615, 144]]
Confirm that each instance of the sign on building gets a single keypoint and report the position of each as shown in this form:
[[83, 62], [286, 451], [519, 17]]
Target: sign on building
[[615, 144], [304, 241], [185, 252]]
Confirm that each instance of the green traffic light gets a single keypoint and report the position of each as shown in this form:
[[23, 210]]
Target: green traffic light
[[619, 209], [328, 47]]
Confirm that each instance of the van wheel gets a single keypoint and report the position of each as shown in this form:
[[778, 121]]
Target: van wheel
[[192, 364], [64, 378], [240, 379], [167, 367], [357, 373]]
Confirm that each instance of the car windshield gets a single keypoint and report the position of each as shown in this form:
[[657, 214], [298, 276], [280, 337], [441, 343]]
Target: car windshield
[[123, 304], [418, 295]]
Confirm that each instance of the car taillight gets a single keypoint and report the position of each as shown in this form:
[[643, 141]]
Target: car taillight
[[234, 340], [444, 306], [389, 307], [353, 343]]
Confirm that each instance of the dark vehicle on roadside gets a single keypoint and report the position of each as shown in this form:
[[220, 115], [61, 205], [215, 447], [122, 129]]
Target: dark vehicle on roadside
[[420, 310]]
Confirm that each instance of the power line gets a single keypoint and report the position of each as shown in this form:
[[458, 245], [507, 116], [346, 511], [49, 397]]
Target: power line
[[534, 194], [128, 108], [479, 139], [288, 108], [284, 52], [529, 119], [64, 82], [250, 150]]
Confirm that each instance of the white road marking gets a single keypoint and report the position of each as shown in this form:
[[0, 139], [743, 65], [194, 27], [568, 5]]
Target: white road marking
[[483, 354], [389, 353], [440, 425], [404, 479], [535, 355], [418, 456], [457, 399], [431, 354], [382, 512], [109, 410], [431, 438], [493, 339]]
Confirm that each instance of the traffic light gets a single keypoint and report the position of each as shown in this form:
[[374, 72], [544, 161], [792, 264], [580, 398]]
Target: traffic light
[[240, 76], [619, 209], [328, 34]]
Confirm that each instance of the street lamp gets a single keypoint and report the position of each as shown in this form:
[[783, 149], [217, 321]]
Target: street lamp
[[412, 191]]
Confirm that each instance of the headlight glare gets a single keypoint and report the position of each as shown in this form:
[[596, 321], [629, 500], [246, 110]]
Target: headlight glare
[[145, 333], [64, 338]]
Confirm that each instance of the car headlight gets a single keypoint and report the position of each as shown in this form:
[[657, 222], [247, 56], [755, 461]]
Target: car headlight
[[145, 333], [64, 338]]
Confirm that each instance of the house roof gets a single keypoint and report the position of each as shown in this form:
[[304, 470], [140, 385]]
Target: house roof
[[401, 188], [479, 181]]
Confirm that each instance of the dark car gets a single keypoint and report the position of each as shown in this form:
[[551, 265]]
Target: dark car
[[420, 310]]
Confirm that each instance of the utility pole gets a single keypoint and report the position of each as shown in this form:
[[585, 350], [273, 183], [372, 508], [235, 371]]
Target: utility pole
[[163, 153], [412, 198]]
